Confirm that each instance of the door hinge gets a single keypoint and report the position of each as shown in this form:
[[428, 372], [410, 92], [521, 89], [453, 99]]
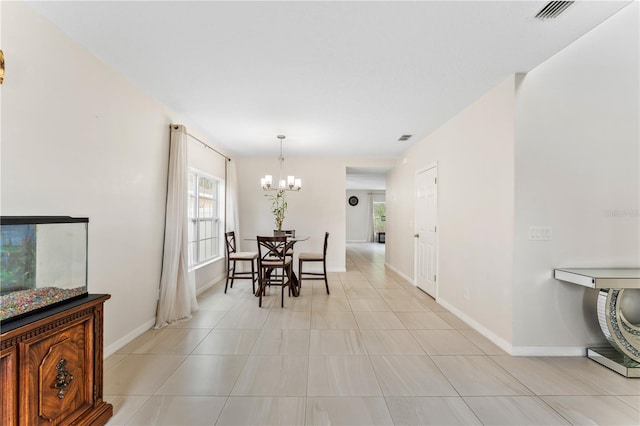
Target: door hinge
[[435, 180], [435, 278], [435, 229]]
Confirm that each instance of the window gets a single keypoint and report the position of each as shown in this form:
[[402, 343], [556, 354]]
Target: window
[[379, 216], [204, 220]]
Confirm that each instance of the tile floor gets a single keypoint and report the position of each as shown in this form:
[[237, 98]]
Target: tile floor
[[375, 352]]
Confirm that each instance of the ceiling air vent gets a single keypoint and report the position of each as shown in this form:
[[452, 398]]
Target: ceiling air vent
[[404, 137], [553, 9]]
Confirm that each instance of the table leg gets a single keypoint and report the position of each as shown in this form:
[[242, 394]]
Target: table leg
[[623, 356], [621, 333], [295, 285]]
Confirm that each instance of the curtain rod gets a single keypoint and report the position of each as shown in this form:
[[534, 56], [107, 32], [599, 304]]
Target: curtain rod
[[207, 146], [203, 143]]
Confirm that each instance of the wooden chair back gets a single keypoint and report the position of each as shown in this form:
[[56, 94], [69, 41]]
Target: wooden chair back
[[272, 248], [230, 240], [326, 244]]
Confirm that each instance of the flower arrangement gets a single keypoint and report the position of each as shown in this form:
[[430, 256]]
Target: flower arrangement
[[278, 207]]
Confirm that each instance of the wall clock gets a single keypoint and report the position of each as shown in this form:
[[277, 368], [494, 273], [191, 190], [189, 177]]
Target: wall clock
[[353, 200]]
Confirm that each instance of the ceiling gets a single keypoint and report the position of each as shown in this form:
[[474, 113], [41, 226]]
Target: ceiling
[[337, 78]]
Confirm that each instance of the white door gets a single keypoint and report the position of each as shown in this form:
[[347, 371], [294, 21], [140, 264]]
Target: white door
[[426, 248]]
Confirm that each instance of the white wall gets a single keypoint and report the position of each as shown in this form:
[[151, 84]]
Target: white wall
[[565, 141], [357, 217], [318, 207], [1, 95], [78, 139], [474, 154], [577, 170]]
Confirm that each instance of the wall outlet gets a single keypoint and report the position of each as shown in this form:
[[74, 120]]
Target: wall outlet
[[540, 233]]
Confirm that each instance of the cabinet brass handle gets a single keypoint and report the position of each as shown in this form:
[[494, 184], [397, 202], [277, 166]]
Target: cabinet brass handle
[[63, 379]]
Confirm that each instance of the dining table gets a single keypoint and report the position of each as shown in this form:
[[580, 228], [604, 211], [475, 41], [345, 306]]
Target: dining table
[[293, 239]]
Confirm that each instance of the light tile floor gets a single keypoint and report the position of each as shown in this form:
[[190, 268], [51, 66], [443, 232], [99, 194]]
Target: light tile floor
[[377, 351]]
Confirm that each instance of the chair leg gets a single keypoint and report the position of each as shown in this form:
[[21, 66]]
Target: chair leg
[[299, 274], [253, 277], [234, 274], [282, 290], [260, 291], [326, 282], [226, 284]]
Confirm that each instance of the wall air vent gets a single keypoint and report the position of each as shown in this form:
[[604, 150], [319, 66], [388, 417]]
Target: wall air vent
[[553, 9], [404, 137]]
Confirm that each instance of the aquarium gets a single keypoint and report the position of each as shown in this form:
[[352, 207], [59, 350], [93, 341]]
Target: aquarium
[[43, 263]]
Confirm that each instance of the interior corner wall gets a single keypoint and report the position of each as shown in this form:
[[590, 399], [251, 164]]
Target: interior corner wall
[[577, 169], [474, 155], [78, 139]]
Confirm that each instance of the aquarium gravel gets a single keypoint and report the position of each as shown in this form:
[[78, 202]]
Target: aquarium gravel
[[20, 302]]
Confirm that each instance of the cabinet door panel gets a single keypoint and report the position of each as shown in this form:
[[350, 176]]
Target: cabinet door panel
[[58, 372]]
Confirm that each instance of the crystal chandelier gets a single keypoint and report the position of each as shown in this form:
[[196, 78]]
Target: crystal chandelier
[[290, 184]]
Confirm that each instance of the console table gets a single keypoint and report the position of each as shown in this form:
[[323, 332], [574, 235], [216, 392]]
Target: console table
[[623, 356]]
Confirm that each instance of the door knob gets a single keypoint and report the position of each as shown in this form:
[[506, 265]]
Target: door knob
[[416, 235]]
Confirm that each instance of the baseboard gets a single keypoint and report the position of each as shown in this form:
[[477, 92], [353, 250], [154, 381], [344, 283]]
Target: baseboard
[[211, 283], [115, 346], [549, 351], [494, 338], [515, 350], [408, 279]]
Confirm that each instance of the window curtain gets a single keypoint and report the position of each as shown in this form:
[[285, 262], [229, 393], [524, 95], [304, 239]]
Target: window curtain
[[177, 284], [370, 230], [233, 215], [233, 219]]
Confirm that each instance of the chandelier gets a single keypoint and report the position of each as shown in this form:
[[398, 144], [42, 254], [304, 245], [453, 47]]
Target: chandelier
[[290, 184]]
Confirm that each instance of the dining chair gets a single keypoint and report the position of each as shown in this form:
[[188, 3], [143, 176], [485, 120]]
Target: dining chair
[[314, 257], [291, 233], [274, 265], [234, 256]]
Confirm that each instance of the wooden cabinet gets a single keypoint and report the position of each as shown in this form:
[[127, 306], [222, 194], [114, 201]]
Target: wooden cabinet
[[51, 366]]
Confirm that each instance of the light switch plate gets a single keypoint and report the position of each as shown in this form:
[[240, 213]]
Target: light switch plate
[[540, 233]]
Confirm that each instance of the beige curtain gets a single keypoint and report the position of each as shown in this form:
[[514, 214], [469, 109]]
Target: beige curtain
[[177, 284]]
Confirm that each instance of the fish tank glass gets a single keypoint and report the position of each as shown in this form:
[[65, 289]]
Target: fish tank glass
[[43, 263]]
